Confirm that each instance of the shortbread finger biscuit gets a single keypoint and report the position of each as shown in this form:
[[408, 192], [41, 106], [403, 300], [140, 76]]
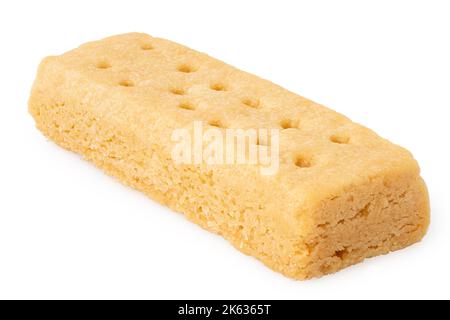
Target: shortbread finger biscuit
[[341, 193]]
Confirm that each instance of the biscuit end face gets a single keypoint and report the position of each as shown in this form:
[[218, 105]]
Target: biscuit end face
[[364, 221]]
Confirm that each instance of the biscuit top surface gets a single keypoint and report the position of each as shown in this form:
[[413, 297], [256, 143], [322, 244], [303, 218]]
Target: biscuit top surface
[[171, 86]]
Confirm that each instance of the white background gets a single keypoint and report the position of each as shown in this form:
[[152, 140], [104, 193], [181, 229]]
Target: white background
[[69, 231]]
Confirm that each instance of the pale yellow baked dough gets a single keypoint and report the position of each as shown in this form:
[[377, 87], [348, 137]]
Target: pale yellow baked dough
[[117, 101]]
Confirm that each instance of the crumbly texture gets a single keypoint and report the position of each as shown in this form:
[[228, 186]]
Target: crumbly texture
[[342, 193]]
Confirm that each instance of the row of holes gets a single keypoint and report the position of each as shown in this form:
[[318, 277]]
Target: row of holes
[[185, 68], [190, 106], [284, 124], [300, 162], [106, 65]]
